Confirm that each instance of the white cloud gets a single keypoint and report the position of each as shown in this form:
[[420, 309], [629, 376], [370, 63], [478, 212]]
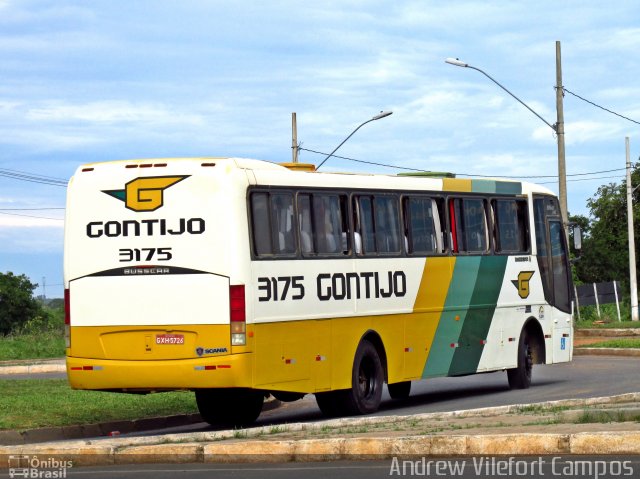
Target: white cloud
[[116, 112]]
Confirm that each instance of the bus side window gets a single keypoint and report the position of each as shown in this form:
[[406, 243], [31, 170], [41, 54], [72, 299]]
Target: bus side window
[[366, 224], [260, 223], [421, 228], [282, 223], [304, 220], [272, 224], [386, 224], [511, 231], [377, 224], [323, 225], [468, 219]]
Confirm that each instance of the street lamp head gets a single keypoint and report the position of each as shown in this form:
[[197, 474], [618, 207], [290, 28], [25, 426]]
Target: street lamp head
[[456, 62], [382, 114]]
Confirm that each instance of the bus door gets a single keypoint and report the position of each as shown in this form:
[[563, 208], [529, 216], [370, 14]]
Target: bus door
[[553, 262]]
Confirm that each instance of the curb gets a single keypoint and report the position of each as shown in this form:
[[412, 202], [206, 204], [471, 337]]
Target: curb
[[30, 366], [634, 352], [208, 447], [604, 332], [603, 443]]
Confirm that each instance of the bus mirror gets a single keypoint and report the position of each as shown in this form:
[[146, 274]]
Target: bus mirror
[[577, 237]]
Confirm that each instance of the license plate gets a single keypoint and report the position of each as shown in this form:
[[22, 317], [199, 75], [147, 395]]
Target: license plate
[[169, 338]]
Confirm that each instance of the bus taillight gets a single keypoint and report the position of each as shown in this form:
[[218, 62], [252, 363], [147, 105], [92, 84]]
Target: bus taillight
[[67, 318], [238, 315]]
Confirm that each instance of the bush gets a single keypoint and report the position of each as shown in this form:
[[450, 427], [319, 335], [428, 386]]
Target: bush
[[17, 304]]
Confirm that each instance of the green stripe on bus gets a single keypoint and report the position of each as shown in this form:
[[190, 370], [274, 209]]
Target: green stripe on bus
[[496, 187], [478, 319], [483, 186], [461, 288], [508, 188]]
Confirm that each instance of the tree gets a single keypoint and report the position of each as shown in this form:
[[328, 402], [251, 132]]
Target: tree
[[605, 251], [17, 304]]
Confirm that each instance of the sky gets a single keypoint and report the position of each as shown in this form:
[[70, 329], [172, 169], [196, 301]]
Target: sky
[[105, 80]]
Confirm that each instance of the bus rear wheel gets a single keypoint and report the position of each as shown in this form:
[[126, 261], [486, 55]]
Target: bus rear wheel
[[237, 407], [366, 381], [520, 376]]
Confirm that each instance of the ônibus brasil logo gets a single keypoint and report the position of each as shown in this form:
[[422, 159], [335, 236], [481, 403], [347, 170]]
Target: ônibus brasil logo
[[145, 194]]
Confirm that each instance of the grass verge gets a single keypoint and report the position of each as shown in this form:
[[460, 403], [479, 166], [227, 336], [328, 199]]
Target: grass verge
[[608, 325], [31, 346], [616, 343], [33, 403]]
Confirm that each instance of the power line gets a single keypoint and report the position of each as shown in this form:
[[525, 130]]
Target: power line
[[584, 179], [30, 209], [601, 107], [32, 178], [463, 174], [31, 216], [362, 161]]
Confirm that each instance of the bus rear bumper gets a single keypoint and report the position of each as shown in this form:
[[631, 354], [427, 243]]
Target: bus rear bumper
[[138, 376]]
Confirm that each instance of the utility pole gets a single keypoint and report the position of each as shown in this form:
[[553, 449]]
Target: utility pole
[[44, 288], [294, 138], [559, 127], [632, 242]]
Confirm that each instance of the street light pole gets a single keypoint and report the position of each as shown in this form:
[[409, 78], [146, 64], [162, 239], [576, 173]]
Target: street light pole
[[380, 115], [558, 128], [458, 63], [632, 246]]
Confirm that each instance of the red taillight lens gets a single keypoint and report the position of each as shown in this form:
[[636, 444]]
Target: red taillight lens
[[67, 306], [237, 303], [238, 315]]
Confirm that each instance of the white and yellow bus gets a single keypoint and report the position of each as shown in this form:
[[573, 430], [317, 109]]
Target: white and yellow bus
[[240, 278]]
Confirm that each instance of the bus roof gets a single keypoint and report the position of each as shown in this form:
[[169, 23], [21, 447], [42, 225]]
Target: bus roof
[[274, 174]]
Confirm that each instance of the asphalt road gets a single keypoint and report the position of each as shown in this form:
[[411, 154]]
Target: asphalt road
[[586, 376], [530, 467]]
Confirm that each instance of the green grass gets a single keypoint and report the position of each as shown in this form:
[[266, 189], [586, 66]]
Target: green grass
[[616, 343], [33, 403], [38, 338], [31, 346], [608, 325], [590, 417]]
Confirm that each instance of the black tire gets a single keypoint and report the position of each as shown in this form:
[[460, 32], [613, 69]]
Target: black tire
[[367, 379], [237, 407], [399, 390], [520, 376]]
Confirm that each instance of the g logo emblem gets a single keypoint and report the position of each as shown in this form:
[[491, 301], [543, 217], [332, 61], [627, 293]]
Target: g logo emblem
[[145, 194], [522, 283]]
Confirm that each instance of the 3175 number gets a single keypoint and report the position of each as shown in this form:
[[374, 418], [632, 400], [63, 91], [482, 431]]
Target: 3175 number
[[145, 254], [277, 289]]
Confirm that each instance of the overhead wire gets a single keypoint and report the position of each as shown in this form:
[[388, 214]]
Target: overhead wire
[[32, 178], [474, 175], [599, 106], [31, 216]]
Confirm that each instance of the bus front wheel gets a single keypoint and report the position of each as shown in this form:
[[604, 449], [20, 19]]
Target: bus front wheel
[[237, 407], [520, 376]]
